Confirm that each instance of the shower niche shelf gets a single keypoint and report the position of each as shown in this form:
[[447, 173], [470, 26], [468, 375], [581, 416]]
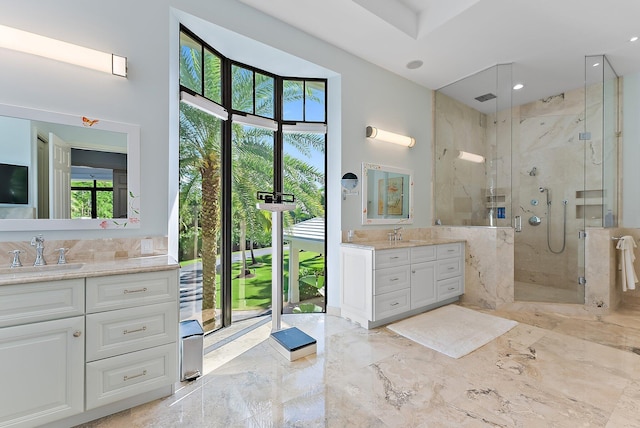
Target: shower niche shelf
[[589, 204], [496, 198]]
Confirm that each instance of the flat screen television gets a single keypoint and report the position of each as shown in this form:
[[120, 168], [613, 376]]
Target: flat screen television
[[14, 184]]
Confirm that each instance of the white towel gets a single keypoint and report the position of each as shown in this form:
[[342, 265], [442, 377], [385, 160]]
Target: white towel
[[629, 278]]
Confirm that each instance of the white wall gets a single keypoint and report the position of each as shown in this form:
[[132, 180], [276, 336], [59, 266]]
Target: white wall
[[15, 141], [360, 94]]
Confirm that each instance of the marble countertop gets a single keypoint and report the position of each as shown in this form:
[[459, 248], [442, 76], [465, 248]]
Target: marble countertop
[[389, 245], [54, 272]]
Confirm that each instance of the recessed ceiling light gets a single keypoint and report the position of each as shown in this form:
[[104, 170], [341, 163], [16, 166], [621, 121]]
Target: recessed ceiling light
[[518, 86], [633, 39], [412, 65]]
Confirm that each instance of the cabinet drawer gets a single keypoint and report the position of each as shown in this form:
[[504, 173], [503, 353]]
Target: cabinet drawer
[[390, 304], [450, 287], [391, 279], [126, 330], [125, 376], [446, 251], [423, 254], [132, 290], [391, 258], [449, 268], [43, 301]]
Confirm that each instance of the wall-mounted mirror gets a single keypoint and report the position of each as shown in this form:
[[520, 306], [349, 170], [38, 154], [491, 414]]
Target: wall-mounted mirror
[[61, 171], [387, 194]]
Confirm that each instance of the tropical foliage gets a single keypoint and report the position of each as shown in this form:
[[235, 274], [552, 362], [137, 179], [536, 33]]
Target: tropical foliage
[[252, 148]]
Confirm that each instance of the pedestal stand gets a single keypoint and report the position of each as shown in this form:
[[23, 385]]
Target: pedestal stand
[[292, 343]]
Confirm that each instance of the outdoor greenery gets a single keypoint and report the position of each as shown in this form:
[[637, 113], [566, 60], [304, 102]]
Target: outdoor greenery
[[252, 148], [258, 287], [81, 199]]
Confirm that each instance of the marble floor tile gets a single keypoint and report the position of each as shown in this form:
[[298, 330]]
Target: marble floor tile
[[551, 370]]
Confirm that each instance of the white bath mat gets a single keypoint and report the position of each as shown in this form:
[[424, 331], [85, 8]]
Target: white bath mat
[[453, 330]]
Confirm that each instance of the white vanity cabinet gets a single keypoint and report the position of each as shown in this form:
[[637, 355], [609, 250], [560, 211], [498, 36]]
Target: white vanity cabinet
[[73, 350], [132, 326], [383, 285], [41, 352]]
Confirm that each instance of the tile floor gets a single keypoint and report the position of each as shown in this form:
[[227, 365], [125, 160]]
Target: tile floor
[[551, 370]]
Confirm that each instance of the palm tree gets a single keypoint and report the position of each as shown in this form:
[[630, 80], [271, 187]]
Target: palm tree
[[200, 136], [200, 144]]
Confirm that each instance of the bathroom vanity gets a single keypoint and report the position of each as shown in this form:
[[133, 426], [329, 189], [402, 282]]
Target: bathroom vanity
[[385, 281], [82, 341]]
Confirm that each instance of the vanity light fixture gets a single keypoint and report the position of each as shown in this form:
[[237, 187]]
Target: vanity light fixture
[[518, 86], [34, 44], [471, 157], [390, 137]]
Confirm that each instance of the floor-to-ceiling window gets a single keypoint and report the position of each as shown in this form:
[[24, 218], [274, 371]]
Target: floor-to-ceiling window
[[244, 130]]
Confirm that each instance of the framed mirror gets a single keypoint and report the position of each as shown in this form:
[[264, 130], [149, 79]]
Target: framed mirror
[[387, 194], [64, 172]]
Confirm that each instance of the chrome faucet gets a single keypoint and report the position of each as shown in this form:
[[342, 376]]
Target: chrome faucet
[[16, 258], [61, 256], [38, 242], [397, 233]]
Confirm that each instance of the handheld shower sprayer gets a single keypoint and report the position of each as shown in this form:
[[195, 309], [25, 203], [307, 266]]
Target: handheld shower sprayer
[[545, 190]]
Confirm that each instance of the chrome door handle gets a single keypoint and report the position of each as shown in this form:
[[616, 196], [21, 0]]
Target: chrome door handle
[[517, 223]]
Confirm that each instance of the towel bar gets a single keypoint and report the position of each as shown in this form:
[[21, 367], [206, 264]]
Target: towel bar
[[616, 238]]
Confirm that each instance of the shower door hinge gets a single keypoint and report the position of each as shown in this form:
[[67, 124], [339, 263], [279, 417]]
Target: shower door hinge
[[582, 280], [582, 234], [584, 135]]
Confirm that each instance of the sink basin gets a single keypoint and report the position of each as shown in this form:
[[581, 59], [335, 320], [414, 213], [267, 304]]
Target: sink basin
[[41, 269]]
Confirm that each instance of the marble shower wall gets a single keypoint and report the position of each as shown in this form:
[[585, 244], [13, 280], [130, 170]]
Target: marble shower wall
[[546, 136], [488, 263], [459, 186]]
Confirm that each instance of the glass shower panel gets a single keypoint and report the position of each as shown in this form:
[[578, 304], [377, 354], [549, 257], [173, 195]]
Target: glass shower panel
[[469, 157], [600, 200], [610, 149]]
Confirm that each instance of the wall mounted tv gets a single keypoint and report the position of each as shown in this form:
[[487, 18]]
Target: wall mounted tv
[[14, 184]]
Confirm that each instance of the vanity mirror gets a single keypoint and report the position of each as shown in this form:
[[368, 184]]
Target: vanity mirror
[[387, 194], [53, 162]]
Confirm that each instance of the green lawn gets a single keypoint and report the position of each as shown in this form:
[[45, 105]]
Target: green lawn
[[257, 290]]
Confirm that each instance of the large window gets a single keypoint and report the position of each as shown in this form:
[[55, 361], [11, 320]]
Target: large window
[[244, 130]]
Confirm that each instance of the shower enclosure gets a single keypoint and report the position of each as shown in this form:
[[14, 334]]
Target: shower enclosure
[[545, 166]]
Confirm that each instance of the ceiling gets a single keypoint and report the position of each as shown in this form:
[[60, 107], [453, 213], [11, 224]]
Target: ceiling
[[545, 40]]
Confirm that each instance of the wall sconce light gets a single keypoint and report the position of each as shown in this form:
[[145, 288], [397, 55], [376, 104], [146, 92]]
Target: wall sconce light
[[24, 41], [390, 137], [349, 182], [471, 157]]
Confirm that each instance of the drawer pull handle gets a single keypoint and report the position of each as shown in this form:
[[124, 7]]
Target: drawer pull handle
[[451, 250], [394, 279], [451, 268], [77, 333], [394, 257], [395, 304], [139, 290], [126, 378], [451, 288], [143, 328]]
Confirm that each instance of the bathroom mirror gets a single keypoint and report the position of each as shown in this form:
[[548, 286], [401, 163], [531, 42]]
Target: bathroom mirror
[[387, 195], [55, 152]]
